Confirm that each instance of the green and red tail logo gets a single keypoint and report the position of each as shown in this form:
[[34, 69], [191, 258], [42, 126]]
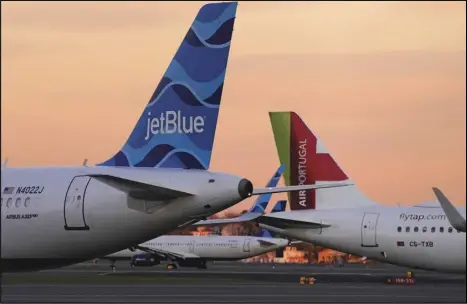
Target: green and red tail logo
[[306, 159]]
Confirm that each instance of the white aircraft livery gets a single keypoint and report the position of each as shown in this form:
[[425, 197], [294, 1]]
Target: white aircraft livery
[[158, 181], [195, 251], [419, 237]]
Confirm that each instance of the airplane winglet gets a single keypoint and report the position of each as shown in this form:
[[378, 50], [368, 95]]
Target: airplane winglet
[[455, 218]]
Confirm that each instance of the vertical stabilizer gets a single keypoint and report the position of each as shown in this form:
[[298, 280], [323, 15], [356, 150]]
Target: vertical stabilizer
[[309, 162], [262, 201], [279, 206], [178, 125]]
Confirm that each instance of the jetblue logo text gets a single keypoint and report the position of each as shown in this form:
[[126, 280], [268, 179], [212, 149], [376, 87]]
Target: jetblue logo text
[[171, 122], [420, 217]]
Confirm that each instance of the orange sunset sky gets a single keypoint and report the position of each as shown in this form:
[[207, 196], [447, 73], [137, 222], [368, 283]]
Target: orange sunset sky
[[382, 83]]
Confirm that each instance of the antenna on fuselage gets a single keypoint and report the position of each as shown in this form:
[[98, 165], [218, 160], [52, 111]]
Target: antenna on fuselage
[[85, 162], [5, 163]]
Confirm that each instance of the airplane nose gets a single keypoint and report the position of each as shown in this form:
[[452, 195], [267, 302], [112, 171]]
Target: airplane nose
[[245, 188]]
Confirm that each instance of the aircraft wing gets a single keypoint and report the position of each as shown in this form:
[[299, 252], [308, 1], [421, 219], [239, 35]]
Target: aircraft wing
[[167, 254], [139, 189], [259, 191], [455, 218]]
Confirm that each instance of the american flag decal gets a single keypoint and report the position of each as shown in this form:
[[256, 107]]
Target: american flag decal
[[8, 190], [400, 244]]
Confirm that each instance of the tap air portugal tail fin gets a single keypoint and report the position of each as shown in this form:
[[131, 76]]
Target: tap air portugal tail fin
[[178, 125], [258, 208], [309, 162]]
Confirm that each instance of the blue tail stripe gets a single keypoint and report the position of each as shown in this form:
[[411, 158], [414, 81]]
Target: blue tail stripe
[[280, 206], [178, 125], [262, 201]]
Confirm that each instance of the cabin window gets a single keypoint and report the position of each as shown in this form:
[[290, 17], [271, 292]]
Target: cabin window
[[415, 229], [9, 202], [433, 229], [425, 229], [27, 201], [441, 229], [407, 229], [18, 202], [450, 229], [399, 229]]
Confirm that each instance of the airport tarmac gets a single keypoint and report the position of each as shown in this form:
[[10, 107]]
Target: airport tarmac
[[229, 283]]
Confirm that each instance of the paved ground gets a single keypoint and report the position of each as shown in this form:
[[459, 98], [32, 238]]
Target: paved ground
[[229, 283]]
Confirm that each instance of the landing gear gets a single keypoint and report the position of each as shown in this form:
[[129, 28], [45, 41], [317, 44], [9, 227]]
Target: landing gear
[[112, 265], [202, 265], [171, 266]]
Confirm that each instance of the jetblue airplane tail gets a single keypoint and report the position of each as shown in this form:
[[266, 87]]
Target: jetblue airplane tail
[[178, 125], [308, 162]]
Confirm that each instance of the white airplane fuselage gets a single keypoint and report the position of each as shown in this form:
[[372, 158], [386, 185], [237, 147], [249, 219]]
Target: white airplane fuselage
[[59, 216], [214, 247], [415, 237]]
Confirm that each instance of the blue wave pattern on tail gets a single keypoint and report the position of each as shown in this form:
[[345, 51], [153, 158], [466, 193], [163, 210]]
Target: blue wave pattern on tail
[[262, 201], [280, 206], [177, 127]]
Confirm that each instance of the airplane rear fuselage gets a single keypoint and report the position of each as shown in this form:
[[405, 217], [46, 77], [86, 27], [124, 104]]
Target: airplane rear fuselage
[[67, 217]]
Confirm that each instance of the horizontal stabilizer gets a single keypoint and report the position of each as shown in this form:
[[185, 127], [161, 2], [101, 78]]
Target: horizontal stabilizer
[[455, 218], [243, 218], [284, 223], [138, 189], [297, 188]]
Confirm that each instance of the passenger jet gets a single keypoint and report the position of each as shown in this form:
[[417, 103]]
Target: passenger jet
[[195, 251], [419, 237], [158, 181]]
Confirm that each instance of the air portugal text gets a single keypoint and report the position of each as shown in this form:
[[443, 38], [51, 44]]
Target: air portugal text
[[171, 122], [302, 176]]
